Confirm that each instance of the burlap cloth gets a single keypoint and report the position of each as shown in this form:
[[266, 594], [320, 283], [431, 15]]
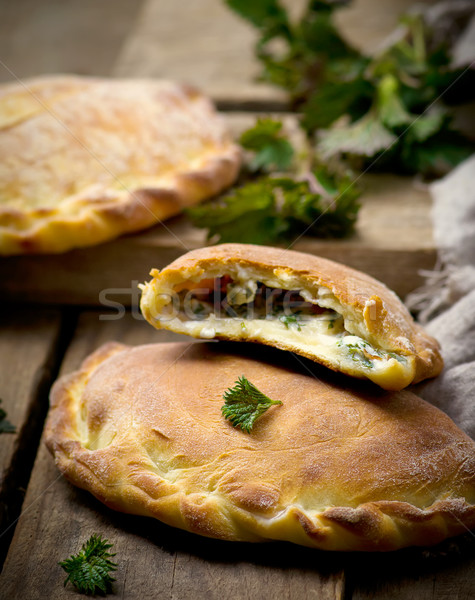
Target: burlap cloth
[[446, 305]]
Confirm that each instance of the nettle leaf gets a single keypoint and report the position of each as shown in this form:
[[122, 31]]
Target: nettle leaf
[[272, 150], [361, 106], [254, 197], [428, 124], [364, 137], [390, 107], [438, 154], [264, 130], [244, 404], [252, 228], [319, 34], [267, 15], [89, 570], [246, 215], [278, 155], [333, 99]]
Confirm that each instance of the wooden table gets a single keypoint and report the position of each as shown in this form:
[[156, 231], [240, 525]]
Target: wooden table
[[43, 519]]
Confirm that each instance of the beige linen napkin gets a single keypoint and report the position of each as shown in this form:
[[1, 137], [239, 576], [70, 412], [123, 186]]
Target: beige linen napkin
[[447, 302]]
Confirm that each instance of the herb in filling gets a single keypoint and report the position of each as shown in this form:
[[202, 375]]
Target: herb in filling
[[289, 320], [253, 300]]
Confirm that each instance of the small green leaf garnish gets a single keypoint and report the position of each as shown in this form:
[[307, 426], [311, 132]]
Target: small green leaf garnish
[[331, 324], [5, 425], [89, 570], [244, 404], [288, 320]]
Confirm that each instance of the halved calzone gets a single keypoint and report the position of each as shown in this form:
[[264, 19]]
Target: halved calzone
[[332, 467], [317, 308]]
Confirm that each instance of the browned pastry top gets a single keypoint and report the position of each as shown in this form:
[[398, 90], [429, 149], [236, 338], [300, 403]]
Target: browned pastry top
[[83, 160], [333, 467]]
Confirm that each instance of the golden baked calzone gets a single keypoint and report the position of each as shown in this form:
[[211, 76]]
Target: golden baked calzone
[[315, 307], [331, 467], [84, 160]]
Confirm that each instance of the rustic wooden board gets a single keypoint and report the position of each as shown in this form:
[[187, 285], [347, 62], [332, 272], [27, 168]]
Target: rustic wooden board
[[447, 573], [155, 561], [28, 344], [210, 46]]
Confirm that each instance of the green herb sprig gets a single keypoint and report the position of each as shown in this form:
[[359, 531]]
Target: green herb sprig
[[89, 570], [5, 425], [244, 404], [276, 209]]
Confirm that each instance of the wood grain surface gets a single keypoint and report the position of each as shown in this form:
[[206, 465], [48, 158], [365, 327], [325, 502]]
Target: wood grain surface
[[62, 36], [28, 347]]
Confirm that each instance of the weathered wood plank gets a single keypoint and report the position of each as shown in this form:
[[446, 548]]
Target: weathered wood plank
[[446, 572], [393, 241], [28, 344], [155, 561], [62, 36]]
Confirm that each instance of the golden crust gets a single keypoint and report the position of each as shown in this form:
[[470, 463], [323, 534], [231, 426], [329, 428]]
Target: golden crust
[[84, 160], [378, 314], [334, 467]]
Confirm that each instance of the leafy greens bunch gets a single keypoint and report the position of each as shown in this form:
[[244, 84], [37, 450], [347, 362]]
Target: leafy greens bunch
[[383, 107], [279, 208]]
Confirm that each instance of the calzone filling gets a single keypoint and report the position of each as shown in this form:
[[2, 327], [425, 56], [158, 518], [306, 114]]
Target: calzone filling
[[280, 312]]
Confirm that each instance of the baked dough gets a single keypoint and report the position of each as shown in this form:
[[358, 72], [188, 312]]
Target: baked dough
[[315, 307], [83, 160], [333, 467]]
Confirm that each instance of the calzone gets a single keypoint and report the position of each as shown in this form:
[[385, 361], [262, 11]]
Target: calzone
[[84, 160], [332, 467], [314, 307]]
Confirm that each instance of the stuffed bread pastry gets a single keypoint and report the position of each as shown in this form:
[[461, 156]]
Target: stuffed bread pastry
[[332, 467], [84, 160], [314, 307]]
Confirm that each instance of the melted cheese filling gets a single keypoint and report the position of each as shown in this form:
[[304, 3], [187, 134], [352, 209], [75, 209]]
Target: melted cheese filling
[[250, 309]]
